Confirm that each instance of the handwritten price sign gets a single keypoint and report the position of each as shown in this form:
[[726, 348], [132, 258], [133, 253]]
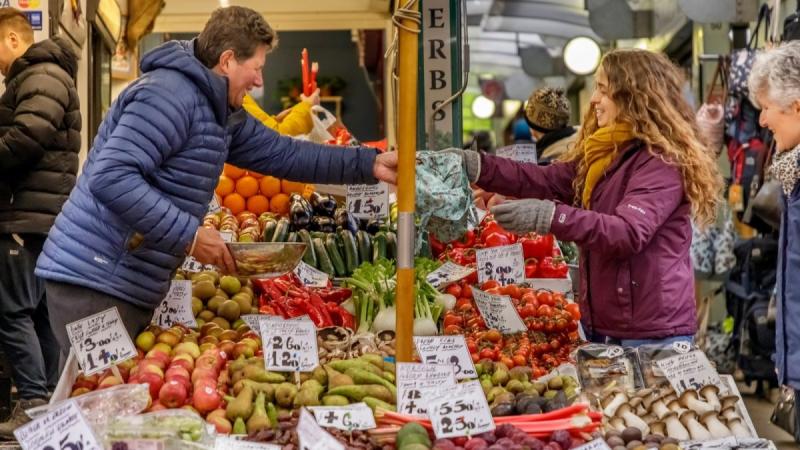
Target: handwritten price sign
[[414, 378], [690, 371], [176, 306], [289, 345], [505, 264], [368, 201], [499, 312], [357, 416], [459, 410], [448, 273], [451, 350], [312, 436], [100, 341], [63, 428], [310, 276]]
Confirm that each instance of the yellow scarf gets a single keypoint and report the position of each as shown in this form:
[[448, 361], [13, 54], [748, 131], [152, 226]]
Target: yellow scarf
[[599, 151]]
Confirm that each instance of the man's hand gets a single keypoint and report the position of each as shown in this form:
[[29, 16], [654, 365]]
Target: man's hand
[[385, 168], [211, 249], [282, 115], [312, 99]]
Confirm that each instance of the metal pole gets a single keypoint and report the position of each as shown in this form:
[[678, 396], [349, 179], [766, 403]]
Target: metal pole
[[408, 35]]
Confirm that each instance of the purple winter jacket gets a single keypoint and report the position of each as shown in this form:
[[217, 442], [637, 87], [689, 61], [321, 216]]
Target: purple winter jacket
[[637, 280]]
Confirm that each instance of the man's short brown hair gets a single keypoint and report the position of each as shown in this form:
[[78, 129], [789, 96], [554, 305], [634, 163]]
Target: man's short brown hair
[[233, 28], [12, 19]]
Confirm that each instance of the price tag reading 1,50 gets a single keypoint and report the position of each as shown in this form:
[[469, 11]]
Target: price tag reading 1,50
[[505, 264], [448, 273], [499, 312], [450, 350], [100, 341], [289, 345], [176, 306], [459, 410], [357, 416], [63, 428], [414, 378], [368, 201]]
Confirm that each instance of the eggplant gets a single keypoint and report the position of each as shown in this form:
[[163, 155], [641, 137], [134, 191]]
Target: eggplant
[[323, 204], [344, 219], [374, 225], [299, 216], [322, 223], [300, 199]]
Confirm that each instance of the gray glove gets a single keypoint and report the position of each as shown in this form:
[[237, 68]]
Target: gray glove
[[524, 216], [472, 162]]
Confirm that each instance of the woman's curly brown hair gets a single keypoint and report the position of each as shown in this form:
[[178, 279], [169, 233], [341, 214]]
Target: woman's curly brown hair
[[647, 89]]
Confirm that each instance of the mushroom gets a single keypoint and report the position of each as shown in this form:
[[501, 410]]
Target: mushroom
[[637, 406], [709, 393], [648, 397], [675, 428], [696, 429], [728, 401], [737, 428], [729, 413], [689, 400], [617, 423], [717, 429], [612, 401], [659, 408], [667, 398], [649, 418], [658, 428], [676, 407], [632, 420]]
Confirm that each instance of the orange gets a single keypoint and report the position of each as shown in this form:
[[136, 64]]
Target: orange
[[258, 204], [225, 186], [247, 186], [290, 187], [279, 204], [270, 186], [255, 175], [234, 202], [232, 172]]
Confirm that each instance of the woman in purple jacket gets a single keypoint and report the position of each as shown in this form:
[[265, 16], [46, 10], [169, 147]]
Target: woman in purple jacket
[[626, 195]]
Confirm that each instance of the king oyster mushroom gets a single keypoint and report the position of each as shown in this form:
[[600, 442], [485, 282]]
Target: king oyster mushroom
[[729, 413], [612, 401], [617, 423], [728, 401], [659, 408], [690, 400], [675, 428], [737, 428], [717, 429], [658, 428], [710, 394], [648, 396], [637, 406], [675, 406], [631, 419], [696, 429]]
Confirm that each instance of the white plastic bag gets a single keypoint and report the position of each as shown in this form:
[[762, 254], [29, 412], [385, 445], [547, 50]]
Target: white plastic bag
[[322, 119]]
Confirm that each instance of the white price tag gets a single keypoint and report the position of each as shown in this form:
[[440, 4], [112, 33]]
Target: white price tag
[[446, 350], [448, 273], [213, 205], [459, 410], [310, 276], [368, 201], [357, 416], [413, 378], [192, 265], [227, 236], [176, 306], [229, 443], [498, 311], [289, 345], [690, 371], [312, 436], [506, 264], [519, 152], [64, 427], [253, 321], [597, 444], [100, 341]]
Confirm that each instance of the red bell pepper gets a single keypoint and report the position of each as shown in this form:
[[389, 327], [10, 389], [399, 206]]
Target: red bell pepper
[[498, 239], [550, 267], [340, 316], [466, 241], [336, 295], [531, 268], [437, 246], [537, 246]]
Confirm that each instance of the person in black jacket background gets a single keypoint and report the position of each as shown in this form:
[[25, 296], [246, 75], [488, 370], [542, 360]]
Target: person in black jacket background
[[40, 127]]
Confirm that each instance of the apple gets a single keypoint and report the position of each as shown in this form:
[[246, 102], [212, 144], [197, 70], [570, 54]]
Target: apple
[[226, 347], [158, 357], [163, 348], [250, 334], [180, 374], [145, 340], [242, 349], [228, 335], [169, 337], [88, 382], [172, 394], [206, 399], [152, 366], [79, 391], [156, 406], [221, 423], [109, 381], [216, 332], [187, 347], [207, 346], [184, 360], [207, 327], [204, 372], [209, 340], [154, 382]]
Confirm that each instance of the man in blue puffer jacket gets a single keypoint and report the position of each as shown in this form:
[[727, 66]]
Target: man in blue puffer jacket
[[136, 210]]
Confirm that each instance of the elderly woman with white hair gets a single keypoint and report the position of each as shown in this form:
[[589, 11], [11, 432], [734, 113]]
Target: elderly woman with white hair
[[775, 88]]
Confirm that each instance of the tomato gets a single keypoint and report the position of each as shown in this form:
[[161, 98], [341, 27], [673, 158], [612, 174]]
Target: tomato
[[488, 353], [561, 324], [512, 290], [462, 301], [508, 362], [545, 298], [452, 329], [492, 336], [574, 310], [489, 285], [544, 311], [537, 325], [465, 308], [452, 319], [554, 344], [454, 290], [520, 360], [494, 291], [472, 346], [549, 326], [466, 291], [527, 311], [475, 357], [529, 298]]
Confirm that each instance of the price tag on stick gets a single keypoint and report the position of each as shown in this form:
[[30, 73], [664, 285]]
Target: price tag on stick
[[451, 350], [312, 436], [100, 341], [63, 428], [448, 273], [311, 276], [459, 410], [505, 264], [690, 371], [289, 345], [368, 201], [414, 378], [498, 311], [176, 306], [357, 416]]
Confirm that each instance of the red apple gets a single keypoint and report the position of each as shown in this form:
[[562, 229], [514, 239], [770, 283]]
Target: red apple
[[226, 347], [172, 394], [152, 366], [109, 381], [242, 349], [206, 399], [159, 356], [204, 373], [183, 360], [79, 391], [156, 406], [154, 381], [221, 423]]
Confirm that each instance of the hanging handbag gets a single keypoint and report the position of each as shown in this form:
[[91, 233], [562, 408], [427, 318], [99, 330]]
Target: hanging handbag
[[784, 416], [702, 250], [724, 258], [765, 199], [742, 59], [711, 115]]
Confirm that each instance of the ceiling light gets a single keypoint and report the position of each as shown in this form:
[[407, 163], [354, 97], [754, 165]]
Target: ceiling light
[[582, 55], [482, 107]]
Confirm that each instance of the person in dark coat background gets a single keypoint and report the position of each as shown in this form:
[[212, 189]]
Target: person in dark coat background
[[40, 125]]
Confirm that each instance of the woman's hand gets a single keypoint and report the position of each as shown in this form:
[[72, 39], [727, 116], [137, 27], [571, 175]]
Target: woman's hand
[[209, 248], [524, 216]]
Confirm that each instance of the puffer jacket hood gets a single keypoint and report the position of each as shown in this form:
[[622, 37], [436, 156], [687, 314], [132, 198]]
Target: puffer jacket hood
[[56, 50]]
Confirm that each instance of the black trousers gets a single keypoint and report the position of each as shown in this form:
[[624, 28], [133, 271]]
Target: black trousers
[[25, 334]]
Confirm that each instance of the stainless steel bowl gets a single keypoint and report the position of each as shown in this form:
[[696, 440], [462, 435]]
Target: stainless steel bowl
[[266, 259]]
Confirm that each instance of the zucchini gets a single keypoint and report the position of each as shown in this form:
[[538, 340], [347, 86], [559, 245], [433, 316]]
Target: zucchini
[[379, 246], [391, 245], [336, 257], [350, 250], [340, 246], [323, 259], [269, 230], [281, 231], [364, 246], [309, 257], [292, 237], [318, 234]]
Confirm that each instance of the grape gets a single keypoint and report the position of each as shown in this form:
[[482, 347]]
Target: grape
[[489, 437], [562, 438], [444, 444], [476, 444], [533, 444], [504, 430], [505, 442], [496, 447]]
